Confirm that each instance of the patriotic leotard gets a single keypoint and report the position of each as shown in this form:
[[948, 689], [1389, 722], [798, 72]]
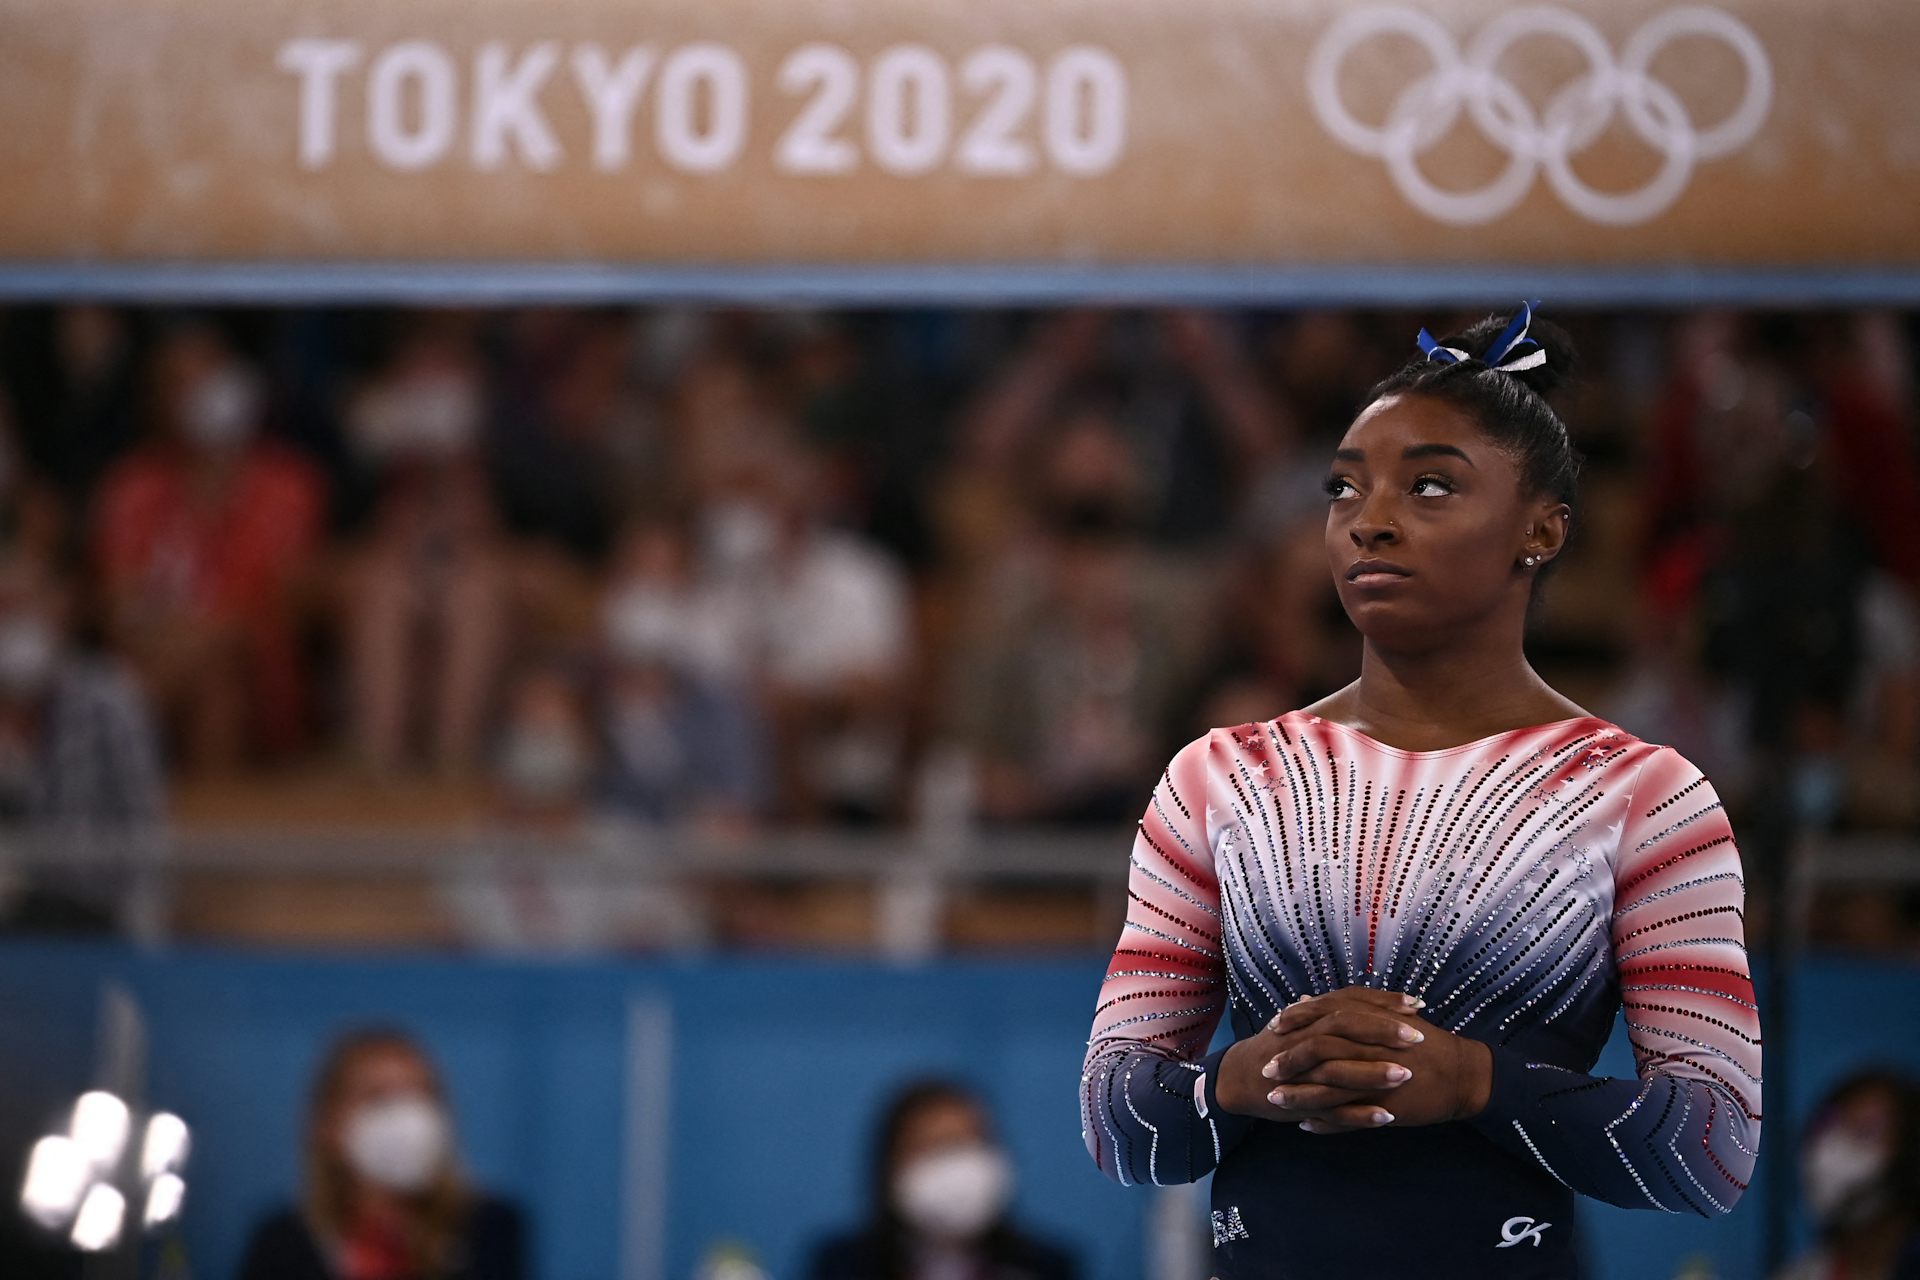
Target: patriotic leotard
[[1527, 885]]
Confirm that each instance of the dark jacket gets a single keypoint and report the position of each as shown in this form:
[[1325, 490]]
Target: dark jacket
[[492, 1248], [1010, 1256]]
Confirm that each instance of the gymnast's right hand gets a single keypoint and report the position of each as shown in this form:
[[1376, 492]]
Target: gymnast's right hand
[[1356, 1051]]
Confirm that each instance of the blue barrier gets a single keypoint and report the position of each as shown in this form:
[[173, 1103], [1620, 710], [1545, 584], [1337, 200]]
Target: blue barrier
[[765, 1075]]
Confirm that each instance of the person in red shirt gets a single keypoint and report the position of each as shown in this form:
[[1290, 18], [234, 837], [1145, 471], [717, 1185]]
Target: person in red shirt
[[201, 537]]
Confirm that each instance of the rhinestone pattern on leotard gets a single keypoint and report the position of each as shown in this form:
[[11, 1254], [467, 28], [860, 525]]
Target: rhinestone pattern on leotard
[[1527, 886]]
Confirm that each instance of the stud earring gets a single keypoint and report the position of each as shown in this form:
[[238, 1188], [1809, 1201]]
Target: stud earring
[[1532, 560]]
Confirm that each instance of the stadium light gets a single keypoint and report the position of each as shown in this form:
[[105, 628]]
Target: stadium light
[[101, 1215], [76, 1181], [165, 1147], [163, 1200], [57, 1175], [100, 1125]]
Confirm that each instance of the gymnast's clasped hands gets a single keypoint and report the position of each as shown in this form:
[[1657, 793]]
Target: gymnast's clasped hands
[[1356, 1058]]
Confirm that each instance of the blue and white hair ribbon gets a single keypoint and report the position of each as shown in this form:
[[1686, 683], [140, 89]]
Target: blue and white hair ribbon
[[1506, 352], [1501, 354], [1451, 355]]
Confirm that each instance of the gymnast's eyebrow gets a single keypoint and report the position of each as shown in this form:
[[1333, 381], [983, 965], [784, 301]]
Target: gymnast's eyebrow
[[1411, 451]]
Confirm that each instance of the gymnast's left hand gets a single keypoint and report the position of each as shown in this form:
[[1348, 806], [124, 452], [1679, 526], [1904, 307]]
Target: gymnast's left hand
[[1451, 1076]]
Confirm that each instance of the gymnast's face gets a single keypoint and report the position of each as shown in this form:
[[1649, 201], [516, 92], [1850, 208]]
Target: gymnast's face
[[1417, 485]]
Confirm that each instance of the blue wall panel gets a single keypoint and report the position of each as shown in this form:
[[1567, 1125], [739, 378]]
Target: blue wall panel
[[774, 1071]]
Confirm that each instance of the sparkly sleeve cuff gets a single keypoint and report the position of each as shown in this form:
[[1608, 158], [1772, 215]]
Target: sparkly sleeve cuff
[[1592, 1133]]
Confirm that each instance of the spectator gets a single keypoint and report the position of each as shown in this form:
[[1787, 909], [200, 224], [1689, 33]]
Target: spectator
[[544, 875], [79, 763], [545, 760], [1065, 702], [823, 619], [384, 1197], [76, 377], [679, 746], [33, 514], [1883, 769], [1191, 427], [1667, 694], [720, 416], [938, 1201], [428, 590], [1292, 643], [577, 439], [1860, 1172], [201, 539]]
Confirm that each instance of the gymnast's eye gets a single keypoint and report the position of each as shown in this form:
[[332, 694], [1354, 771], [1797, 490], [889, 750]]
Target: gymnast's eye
[[1334, 484]]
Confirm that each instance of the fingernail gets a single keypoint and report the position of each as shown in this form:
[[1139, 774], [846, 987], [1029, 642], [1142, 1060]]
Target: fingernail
[[1383, 1117], [1308, 1126], [1278, 1097], [1413, 1001], [1412, 1035], [1271, 1071], [1273, 1023], [1397, 1073]]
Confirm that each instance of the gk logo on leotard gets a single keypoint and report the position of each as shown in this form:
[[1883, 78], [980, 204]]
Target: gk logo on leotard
[[1227, 1226], [1515, 1230], [1574, 117]]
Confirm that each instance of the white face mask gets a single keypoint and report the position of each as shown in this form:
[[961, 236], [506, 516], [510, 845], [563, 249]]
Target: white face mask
[[954, 1194], [440, 415], [400, 1144], [543, 764], [220, 411], [741, 534], [1840, 1172], [434, 416], [643, 625], [28, 649]]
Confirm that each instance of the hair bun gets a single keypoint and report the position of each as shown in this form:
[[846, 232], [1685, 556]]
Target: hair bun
[[1542, 379]]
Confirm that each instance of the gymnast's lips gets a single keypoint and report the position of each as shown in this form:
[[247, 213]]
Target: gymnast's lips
[[1371, 571]]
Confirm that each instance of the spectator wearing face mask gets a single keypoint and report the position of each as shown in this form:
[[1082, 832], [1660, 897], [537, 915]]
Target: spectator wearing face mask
[[201, 539], [546, 874], [1860, 1173], [940, 1195], [79, 760], [546, 756], [822, 619], [681, 746], [428, 589], [384, 1197]]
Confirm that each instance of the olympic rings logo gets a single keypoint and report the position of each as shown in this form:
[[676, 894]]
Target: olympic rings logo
[[1576, 115]]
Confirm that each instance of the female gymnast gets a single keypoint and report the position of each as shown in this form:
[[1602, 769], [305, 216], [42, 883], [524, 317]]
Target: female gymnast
[[1423, 898]]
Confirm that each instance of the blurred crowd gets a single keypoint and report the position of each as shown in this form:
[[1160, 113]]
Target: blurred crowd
[[733, 569]]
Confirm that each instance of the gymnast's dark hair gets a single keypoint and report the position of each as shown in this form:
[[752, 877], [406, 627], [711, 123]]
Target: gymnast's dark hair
[[1510, 405]]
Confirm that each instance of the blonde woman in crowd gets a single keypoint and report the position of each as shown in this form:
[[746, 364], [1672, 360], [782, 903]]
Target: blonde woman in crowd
[[384, 1197]]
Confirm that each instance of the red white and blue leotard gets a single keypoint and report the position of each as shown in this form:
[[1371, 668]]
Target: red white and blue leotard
[[1528, 886]]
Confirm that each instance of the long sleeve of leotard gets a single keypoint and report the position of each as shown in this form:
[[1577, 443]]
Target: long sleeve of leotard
[[1682, 1136], [1164, 993]]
